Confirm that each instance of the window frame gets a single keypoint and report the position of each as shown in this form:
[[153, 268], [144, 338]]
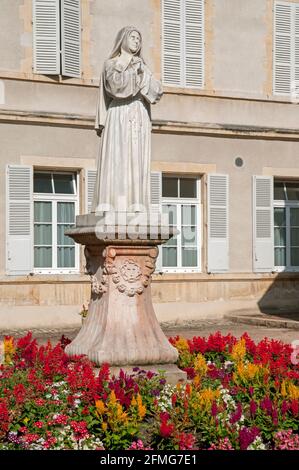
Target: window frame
[[179, 202], [287, 205], [54, 199]]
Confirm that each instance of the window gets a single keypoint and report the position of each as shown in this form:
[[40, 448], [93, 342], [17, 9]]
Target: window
[[55, 208], [286, 225], [286, 49], [180, 201], [183, 43], [57, 37]]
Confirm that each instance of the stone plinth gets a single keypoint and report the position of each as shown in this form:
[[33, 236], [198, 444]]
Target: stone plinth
[[121, 327]]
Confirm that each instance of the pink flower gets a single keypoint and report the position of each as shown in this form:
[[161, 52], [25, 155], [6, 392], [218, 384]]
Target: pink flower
[[286, 440], [39, 424], [223, 444]]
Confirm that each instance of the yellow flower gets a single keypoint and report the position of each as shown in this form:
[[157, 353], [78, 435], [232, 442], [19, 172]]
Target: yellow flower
[[239, 350], [293, 392], [207, 396], [141, 407], [182, 345], [101, 408], [196, 381], [121, 416], [133, 401], [104, 426], [249, 372], [283, 389], [200, 365], [112, 398], [9, 349]]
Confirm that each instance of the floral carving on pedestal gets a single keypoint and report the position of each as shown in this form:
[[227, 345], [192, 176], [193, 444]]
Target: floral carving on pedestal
[[129, 278], [99, 287]]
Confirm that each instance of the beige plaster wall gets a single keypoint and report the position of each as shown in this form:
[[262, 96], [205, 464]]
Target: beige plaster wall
[[10, 35], [51, 98], [239, 45]]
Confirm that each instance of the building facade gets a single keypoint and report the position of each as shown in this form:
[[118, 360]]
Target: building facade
[[225, 152]]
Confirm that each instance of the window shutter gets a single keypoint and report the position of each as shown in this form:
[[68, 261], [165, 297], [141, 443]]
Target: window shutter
[[218, 228], [263, 239], [19, 219], [297, 50], [194, 41], [71, 38], [90, 181], [172, 42], [156, 198], [283, 47], [46, 47]]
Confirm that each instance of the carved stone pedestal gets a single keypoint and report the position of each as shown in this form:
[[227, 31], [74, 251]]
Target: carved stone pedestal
[[121, 327]]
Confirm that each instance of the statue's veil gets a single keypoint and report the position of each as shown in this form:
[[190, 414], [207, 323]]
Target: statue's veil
[[103, 99]]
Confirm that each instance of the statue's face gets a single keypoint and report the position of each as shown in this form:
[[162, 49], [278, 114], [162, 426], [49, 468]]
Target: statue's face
[[134, 41]]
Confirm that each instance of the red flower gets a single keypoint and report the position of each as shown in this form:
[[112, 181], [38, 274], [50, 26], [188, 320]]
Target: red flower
[[19, 392], [166, 429], [80, 429], [186, 441], [39, 424]]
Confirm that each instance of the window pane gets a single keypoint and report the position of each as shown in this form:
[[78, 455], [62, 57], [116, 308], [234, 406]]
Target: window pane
[[188, 215], [279, 216], [171, 242], [189, 236], [66, 212], [66, 257], [42, 183], [295, 256], [188, 187], [42, 212], [42, 257], [171, 211], [169, 257], [63, 184], [279, 236], [293, 191], [280, 256], [64, 239], [42, 234], [279, 193], [169, 187], [294, 217], [189, 257], [295, 236]]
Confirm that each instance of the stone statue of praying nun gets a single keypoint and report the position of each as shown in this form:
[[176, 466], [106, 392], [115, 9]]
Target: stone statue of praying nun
[[127, 89]]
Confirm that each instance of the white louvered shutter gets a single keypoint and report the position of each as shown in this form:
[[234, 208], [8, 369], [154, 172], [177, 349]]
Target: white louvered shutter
[[90, 181], [218, 223], [183, 43], [297, 51], [71, 37], [263, 238], [156, 191], [284, 47], [172, 42], [46, 37], [19, 219], [194, 43], [156, 199]]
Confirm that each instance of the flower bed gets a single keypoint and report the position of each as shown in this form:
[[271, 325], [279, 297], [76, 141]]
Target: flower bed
[[240, 395]]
